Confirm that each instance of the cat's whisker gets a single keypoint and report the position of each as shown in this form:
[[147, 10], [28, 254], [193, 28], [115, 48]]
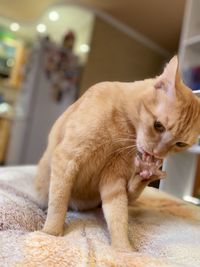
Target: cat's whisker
[[130, 134], [123, 149], [124, 140], [131, 151]]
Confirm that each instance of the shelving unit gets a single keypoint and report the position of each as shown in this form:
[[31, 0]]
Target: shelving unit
[[197, 92], [194, 149], [181, 168], [195, 40], [189, 49]]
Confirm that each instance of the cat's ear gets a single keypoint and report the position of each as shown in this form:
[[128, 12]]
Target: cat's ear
[[170, 77]]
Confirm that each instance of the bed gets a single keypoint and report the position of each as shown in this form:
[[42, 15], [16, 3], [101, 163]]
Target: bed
[[164, 231]]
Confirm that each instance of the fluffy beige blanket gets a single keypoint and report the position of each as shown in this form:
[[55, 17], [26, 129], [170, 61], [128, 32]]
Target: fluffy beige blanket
[[163, 230]]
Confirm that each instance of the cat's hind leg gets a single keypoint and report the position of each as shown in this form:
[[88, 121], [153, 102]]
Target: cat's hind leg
[[42, 180], [64, 170]]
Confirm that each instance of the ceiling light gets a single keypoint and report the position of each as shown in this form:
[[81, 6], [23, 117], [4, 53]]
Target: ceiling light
[[41, 28], [14, 27], [10, 62], [53, 16], [84, 48], [4, 107]]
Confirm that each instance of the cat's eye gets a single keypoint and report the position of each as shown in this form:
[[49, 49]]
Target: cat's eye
[[181, 144], [159, 127]]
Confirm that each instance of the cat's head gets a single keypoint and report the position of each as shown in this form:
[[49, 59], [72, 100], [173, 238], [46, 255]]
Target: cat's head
[[169, 119]]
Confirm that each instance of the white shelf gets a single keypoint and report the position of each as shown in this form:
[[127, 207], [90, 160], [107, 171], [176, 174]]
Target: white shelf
[[192, 40], [194, 149], [192, 200], [196, 92]]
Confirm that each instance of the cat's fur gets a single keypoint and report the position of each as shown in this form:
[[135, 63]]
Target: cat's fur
[[91, 150]]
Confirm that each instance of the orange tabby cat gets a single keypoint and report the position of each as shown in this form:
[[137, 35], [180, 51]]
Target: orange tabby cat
[[110, 144]]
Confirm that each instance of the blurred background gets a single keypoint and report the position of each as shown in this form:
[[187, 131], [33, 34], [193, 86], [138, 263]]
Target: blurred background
[[51, 51]]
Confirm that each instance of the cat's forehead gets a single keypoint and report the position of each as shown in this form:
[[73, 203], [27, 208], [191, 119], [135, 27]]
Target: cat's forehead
[[168, 117]]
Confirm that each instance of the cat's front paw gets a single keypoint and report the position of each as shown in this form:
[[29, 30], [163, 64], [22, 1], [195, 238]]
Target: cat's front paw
[[123, 248], [148, 168], [53, 231]]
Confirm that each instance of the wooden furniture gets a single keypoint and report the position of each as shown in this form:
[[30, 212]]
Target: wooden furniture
[[5, 125], [196, 188]]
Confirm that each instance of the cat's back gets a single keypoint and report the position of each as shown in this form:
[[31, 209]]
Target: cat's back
[[88, 111]]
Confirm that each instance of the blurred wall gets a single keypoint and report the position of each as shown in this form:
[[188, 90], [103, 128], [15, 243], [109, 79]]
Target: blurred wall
[[115, 56]]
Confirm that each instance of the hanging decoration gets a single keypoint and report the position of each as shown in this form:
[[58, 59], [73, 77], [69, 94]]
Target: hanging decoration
[[61, 66]]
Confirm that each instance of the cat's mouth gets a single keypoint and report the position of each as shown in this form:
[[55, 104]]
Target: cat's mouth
[[141, 153]]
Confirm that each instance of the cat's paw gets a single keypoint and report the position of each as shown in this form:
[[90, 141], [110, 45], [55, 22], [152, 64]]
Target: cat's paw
[[123, 248], [148, 168], [53, 231]]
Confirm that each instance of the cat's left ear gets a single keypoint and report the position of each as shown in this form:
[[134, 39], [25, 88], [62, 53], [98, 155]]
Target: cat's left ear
[[170, 77]]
